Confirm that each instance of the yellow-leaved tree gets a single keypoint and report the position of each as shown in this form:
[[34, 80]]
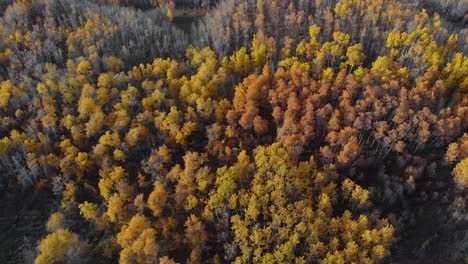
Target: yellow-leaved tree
[[60, 247], [138, 242], [460, 173]]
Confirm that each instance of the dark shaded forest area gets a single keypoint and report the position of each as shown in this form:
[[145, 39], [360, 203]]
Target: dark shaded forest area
[[233, 131]]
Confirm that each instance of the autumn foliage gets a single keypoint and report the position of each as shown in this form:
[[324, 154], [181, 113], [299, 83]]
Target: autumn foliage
[[286, 132]]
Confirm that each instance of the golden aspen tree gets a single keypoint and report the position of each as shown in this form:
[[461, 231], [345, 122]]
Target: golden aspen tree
[[84, 67], [136, 134], [157, 199], [258, 53], [455, 71], [355, 193], [115, 208], [460, 173], [328, 74], [240, 62], [89, 211], [314, 44], [383, 66], [55, 222], [96, 123], [114, 64], [68, 199], [355, 55], [6, 90], [138, 241], [341, 9], [59, 246]]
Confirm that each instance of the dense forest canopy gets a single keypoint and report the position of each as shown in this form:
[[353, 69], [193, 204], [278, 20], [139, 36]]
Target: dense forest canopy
[[282, 131]]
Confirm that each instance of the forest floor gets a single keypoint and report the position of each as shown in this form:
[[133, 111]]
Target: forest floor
[[431, 233], [22, 223], [185, 19]]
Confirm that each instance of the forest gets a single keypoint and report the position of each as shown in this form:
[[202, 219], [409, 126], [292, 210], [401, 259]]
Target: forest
[[233, 131]]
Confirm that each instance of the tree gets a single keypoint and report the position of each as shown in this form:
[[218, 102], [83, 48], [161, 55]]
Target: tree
[[350, 151], [110, 139], [84, 67], [328, 74], [460, 174], [69, 195], [195, 233], [60, 246], [114, 64], [96, 123], [383, 67], [455, 71], [355, 55], [138, 241], [342, 8], [249, 97], [6, 90], [157, 199], [116, 209], [458, 150], [55, 222], [89, 210], [193, 180], [136, 134], [240, 62], [355, 193], [258, 52]]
